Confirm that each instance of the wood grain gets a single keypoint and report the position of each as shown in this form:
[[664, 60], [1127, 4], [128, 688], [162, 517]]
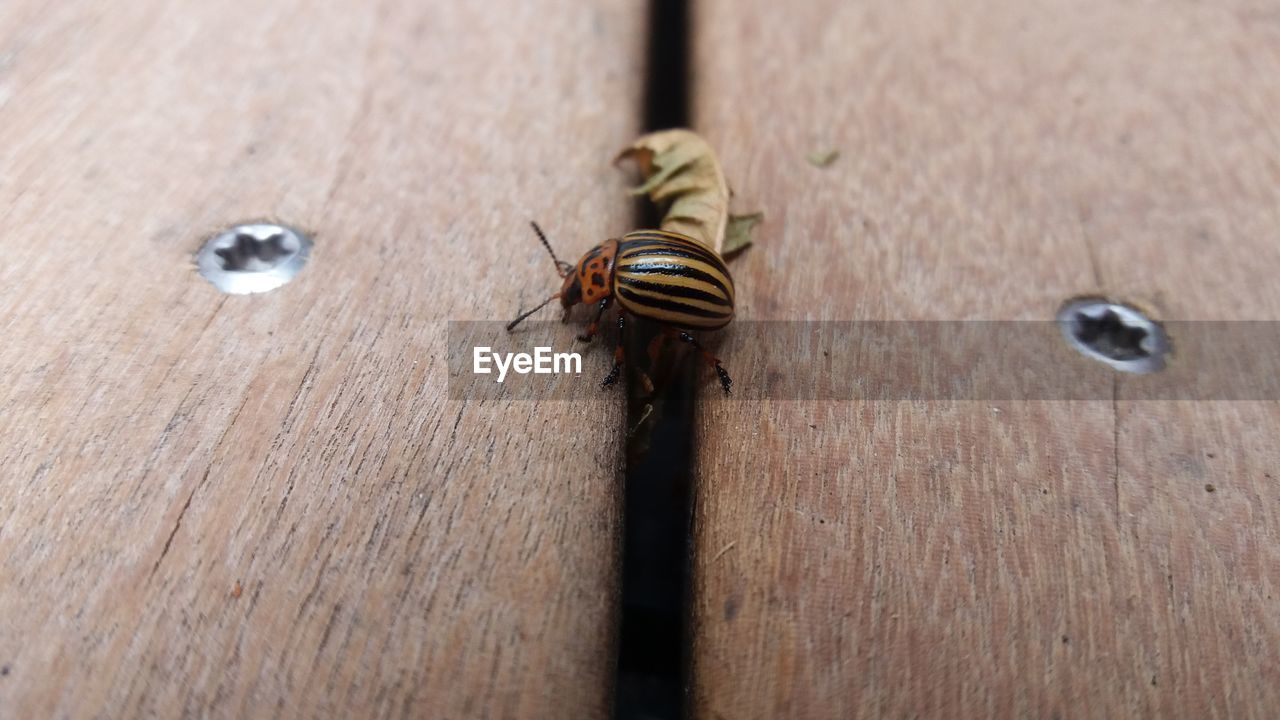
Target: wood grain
[[262, 506], [1012, 559]]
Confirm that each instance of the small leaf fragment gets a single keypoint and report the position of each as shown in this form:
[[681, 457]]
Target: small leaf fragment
[[824, 158], [738, 234]]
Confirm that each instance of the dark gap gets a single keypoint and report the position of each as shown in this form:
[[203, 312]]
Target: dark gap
[[653, 638], [666, 94]]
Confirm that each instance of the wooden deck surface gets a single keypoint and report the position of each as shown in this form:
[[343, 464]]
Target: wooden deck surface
[[266, 505], [397, 554], [1011, 559]]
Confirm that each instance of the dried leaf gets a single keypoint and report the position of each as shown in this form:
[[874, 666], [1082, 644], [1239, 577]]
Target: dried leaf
[[824, 158], [738, 234], [681, 170]]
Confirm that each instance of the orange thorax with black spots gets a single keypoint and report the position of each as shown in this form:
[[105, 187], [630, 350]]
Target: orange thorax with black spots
[[591, 281]]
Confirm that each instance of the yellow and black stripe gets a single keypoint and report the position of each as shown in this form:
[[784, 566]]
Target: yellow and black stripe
[[673, 279]]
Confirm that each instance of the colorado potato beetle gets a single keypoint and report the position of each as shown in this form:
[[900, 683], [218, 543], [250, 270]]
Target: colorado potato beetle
[[659, 275]]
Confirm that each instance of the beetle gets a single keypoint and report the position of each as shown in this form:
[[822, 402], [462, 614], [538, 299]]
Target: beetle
[[658, 275]]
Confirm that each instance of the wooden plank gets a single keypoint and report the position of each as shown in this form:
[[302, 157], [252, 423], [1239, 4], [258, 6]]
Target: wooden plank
[[260, 505], [974, 559]]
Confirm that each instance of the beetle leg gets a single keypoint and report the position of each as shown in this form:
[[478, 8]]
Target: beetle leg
[[725, 381], [594, 327], [619, 354], [616, 370]]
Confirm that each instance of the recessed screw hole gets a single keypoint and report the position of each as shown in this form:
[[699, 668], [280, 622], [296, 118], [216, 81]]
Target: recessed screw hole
[[246, 252], [1115, 334], [253, 257], [1110, 335]]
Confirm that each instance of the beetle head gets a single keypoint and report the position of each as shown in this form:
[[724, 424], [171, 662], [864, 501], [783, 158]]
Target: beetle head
[[571, 290]]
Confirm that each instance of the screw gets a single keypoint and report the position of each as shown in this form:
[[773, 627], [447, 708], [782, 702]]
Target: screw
[[253, 257], [1115, 334]]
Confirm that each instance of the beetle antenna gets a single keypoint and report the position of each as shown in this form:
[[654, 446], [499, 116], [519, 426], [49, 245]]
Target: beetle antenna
[[541, 305], [562, 267]]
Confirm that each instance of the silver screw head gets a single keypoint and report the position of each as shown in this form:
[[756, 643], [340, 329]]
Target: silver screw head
[[1115, 334], [253, 257]]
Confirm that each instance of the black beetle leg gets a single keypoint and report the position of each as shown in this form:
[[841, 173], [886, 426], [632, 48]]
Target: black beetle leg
[[616, 370], [594, 327], [725, 381]]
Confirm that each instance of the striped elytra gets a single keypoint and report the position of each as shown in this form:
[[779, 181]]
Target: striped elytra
[[659, 275], [672, 279]]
